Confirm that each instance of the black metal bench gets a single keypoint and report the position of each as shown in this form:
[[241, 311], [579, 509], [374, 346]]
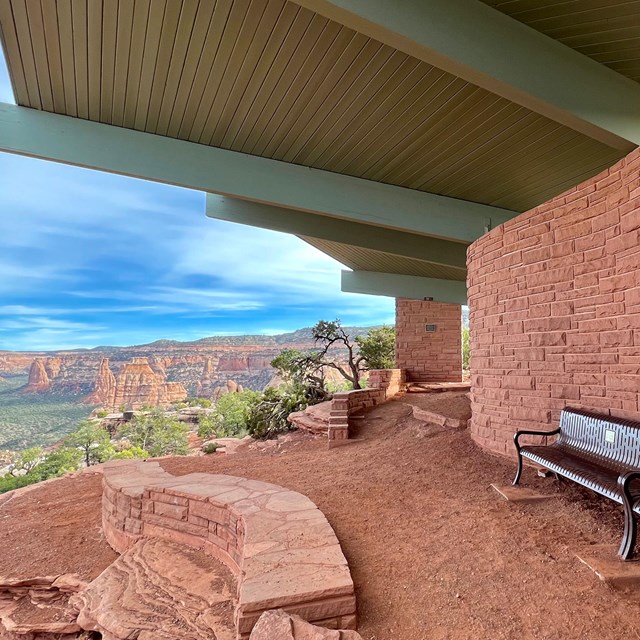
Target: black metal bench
[[598, 452]]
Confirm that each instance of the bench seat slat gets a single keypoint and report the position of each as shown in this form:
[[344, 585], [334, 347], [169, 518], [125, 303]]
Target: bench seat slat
[[582, 469]]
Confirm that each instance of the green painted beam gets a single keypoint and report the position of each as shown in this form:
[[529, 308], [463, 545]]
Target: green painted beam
[[300, 223], [401, 286], [492, 50], [196, 166]]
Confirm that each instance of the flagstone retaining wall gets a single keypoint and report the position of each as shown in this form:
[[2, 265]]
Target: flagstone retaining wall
[[278, 544], [383, 384], [554, 299]]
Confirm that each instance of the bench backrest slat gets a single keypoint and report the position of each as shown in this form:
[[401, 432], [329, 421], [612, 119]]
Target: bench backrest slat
[[610, 438]]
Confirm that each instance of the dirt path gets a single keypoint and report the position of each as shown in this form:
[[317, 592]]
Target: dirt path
[[433, 552]]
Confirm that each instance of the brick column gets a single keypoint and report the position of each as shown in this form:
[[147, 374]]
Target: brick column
[[429, 353]]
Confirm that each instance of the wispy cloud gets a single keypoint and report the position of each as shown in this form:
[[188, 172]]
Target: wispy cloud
[[89, 258]]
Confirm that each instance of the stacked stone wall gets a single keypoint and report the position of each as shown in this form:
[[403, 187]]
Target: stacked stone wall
[[277, 543], [383, 384], [554, 299], [429, 356]]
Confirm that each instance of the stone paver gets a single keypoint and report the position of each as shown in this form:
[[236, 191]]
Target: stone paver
[[521, 495], [604, 562]]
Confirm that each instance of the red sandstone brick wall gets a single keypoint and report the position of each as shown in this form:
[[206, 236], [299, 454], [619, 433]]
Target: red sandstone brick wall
[[429, 357], [554, 298]]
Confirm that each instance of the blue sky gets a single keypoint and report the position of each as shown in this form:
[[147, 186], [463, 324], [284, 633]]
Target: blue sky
[[89, 258]]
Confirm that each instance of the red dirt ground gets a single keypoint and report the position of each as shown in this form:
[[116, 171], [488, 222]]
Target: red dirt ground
[[434, 552], [53, 529], [457, 403]]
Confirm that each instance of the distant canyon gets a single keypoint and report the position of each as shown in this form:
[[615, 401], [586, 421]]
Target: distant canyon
[[157, 374]]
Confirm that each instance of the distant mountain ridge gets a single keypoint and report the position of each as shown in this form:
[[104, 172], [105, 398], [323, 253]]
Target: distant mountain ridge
[[244, 358], [299, 335], [39, 388]]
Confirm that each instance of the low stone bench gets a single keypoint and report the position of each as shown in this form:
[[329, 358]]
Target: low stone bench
[[278, 544]]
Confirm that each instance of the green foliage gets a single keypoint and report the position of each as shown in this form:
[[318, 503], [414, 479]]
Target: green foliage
[[291, 364], [26, 461], [466, 348], [158, 434], [9, 482], [57, 463], [269, 415], [208, 425], [28, 419], [305, 370], [102, 414], [129, 453], [205, 403], [377, 348], [338, 387], [93, 440], [232, 412], [51, 465], [210, 447]]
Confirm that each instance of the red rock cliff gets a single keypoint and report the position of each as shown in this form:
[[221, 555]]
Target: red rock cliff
[[38, 378], [53, 366], [207, 383], [105, 386], [138, 385]]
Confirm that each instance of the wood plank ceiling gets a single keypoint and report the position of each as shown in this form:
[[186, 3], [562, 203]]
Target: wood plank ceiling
[[606, 30], [269, 78]]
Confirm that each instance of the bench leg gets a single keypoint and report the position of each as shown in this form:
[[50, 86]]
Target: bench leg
[[630, 532], [516, 480]]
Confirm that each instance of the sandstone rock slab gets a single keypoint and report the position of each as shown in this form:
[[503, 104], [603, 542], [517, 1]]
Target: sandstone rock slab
[[521, 495], [608, 567], [159, 590], [280, 625]]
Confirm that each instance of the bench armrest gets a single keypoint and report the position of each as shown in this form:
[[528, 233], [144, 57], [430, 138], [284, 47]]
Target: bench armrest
[[624, 480], [516, 436]]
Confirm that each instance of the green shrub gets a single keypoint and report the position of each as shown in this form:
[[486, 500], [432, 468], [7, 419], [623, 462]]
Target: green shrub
[[268, 417], [205, 403], [93, 440], [338, 387], [158, 434], [466, 348], [208, 425], [9, 482], [26, 461], [377, 348], [231, 415], [210, 447], [57, 463], [129, 453], [102, 414], [51, 465]]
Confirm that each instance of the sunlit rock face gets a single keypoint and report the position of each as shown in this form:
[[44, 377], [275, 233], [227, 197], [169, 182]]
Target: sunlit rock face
[[105, 387], [138, 385], [38, 377]]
